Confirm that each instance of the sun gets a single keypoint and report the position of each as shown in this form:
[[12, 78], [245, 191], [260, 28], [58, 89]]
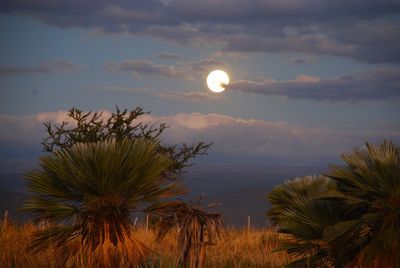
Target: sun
[[217, 81]]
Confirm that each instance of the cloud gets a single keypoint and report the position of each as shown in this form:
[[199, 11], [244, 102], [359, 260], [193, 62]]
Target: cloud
[[145, 67], [191, 96], [231, 136], [170, 56], [316, 44], [372, 41], [365, 30], [175, 12], [206, 65], [25, 129], [30, 128], [186, 71], [42, 68], [371, 85], [300, 60]]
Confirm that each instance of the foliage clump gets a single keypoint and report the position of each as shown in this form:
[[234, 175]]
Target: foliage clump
[[88, 127], [87, 195], [349, 217], [99, 171]]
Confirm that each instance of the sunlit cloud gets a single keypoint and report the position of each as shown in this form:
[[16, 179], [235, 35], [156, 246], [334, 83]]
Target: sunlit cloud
[[230, 135]]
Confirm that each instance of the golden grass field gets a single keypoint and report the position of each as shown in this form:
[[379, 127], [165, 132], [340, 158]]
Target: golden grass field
[[236, 248]]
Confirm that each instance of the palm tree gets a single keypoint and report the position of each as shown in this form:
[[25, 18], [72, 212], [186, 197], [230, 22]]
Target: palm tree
[[350, 217], [88, 193], [369, 185], [197, 229], [299, 210]]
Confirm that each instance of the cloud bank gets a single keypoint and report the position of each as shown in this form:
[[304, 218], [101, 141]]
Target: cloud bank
[[364, 30], [231, 136], [371, 85]]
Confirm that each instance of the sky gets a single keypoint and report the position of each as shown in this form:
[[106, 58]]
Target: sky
[[310, 79]]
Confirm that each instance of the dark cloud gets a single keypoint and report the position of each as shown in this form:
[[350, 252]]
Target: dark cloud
[[42, 68], [170, 56], [145, 67], [299, 43], [187, 71], [174, 12], [300, 60], [373, 41], [365, 30], [372, 85], [278, 9]]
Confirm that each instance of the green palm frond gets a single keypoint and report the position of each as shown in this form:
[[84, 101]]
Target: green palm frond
[[350, 217], [90, 190], [369, 183], [282, 196], [299, 209]]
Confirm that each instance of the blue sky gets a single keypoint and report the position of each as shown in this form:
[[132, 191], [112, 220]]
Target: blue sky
[[309, 79]]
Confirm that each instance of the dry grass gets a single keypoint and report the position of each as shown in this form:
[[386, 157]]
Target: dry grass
[[236, 248]]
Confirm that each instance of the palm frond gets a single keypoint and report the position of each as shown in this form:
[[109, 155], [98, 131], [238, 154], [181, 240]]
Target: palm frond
[[89, 191], [369, 184], [197, 228]]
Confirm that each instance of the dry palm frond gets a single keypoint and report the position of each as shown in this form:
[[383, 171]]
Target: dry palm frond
[[196, 229]]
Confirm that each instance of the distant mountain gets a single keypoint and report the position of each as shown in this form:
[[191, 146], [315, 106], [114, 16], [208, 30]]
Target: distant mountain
[[11, 201], [12, 194], [240, 189], [12, 181]]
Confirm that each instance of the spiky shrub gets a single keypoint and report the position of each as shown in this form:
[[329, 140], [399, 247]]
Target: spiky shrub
[[197, 229], [368, 183], [87, 194]]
